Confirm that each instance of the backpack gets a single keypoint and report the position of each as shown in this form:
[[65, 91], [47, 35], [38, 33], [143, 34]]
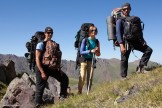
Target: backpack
[[31, 46], [52, 55], [81, 34], [133, 28]]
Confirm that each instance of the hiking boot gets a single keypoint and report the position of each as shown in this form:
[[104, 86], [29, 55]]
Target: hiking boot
[[138, 69], [37, 106], [124, 78], [62, 98], [141, 69]]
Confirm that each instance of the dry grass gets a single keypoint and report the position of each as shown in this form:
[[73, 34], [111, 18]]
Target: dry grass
[[149, 94]]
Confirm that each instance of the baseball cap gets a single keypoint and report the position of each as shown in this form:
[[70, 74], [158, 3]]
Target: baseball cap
[[48, 29], [126, 5]]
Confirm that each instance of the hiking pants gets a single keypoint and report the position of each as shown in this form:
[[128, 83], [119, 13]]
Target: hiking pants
[[85, 69], [40, 83], [146, 50]]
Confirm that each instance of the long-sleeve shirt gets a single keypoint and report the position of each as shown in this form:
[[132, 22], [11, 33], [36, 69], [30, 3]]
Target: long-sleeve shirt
[[119, 31]]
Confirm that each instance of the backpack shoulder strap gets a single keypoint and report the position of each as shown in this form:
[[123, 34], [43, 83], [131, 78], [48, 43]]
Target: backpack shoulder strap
[[87, 42], [44, 46], [123, 20], [97, 42]]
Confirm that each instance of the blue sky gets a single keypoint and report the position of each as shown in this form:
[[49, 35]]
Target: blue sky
[[20, 19]]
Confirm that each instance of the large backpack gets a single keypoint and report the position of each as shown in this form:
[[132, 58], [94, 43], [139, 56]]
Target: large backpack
[[31, 46], [52, 55], [81, 34], [133, 29]]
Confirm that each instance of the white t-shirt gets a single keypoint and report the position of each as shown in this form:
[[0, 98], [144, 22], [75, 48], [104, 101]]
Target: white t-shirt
[[40, 46]]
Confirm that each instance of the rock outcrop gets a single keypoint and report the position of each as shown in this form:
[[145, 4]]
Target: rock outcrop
[[7, 71], [21, 92]]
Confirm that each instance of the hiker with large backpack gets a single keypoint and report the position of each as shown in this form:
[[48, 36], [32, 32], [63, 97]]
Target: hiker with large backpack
[[90, 46], [130, 37], [48, 63], [81, 34]]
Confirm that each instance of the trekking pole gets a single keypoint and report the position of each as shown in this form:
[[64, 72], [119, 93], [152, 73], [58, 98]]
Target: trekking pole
[[91, 73]]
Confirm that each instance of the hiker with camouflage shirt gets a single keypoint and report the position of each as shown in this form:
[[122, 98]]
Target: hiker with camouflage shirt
[[43, 71]]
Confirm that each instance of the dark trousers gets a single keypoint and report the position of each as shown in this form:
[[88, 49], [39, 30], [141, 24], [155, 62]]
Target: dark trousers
[[40, 83], [146, 50]]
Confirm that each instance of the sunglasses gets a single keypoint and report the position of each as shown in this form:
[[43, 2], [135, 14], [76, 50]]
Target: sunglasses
[[49, 32], [126, 9], [93, 31]]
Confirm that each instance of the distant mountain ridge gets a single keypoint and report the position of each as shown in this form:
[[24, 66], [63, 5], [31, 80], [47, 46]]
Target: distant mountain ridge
[[107, 69], [21, 64]]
